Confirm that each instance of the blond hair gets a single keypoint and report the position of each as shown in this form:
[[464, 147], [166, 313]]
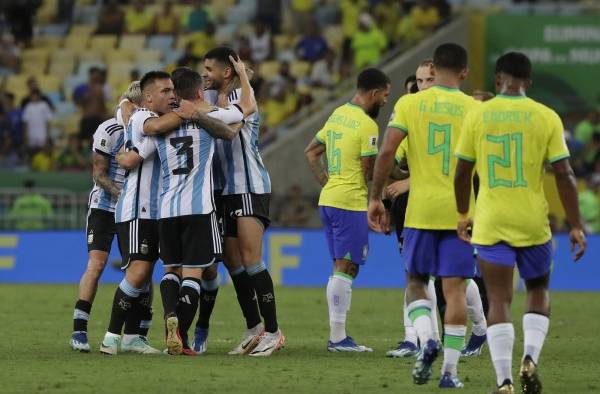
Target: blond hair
[[134, 93]]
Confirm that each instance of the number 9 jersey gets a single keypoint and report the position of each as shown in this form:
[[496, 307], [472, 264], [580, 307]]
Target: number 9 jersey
[[432, 120]]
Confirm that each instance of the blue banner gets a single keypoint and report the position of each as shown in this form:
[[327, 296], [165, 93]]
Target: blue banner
[[295, 258]]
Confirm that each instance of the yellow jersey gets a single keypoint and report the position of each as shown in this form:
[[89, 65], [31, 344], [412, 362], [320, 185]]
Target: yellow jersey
[[348, 135], [432, 120], [402, 150], [510, 138]]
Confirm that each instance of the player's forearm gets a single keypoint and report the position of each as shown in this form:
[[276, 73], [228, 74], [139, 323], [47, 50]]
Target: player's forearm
[[128, 160], [163, 124], [247, 101], [214, 127], [567, 190], [381, 172], [462, 185], [104, 182], [317, 168]]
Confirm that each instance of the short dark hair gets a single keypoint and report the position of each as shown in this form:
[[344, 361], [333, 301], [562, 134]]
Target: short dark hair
[[515, 64], [221, 55], [152, 76], [409, 79], [372, 78], [187, 82], [450, 56]]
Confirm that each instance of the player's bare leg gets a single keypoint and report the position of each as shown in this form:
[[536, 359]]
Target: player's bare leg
[[88, 285], [455, 328], [501, 333]]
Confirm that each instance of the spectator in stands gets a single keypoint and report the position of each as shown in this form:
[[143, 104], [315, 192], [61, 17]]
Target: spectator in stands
[[312, 46], [423, 18], [284, 80], [587, 127], [590, 206], [244, 50], [261, 42], [301, 14], [7, 151], [188, 59], [166, 21], [591, 153], [64, 12], [137, 19], [280, 104], [44, 160], [14, 115], [368, 43], [267, 136], [36, 117], [203, 41], [387, 14], [350, 10], [34, 88], [91, 97], [74, 157], [31, 210], [326, 13], [9, 55], [199, 17], [257, 81], [19, 15], [111, 19], [324, 72], [269, 11], [295, 211]]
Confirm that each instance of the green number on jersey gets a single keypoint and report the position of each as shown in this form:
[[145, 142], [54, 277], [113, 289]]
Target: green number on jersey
[[444, 147], [506, 161], [334, 155]]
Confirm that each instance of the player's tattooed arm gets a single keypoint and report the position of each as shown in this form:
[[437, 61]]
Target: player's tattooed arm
[[162, 124], [101, 165], [247, 100], [314, 152], [215, 127], [367, 164], [128, 159]]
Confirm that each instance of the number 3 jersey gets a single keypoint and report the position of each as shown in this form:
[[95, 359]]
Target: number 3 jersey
[[186, 156], [510, 139], [433, 120], [348, 135]]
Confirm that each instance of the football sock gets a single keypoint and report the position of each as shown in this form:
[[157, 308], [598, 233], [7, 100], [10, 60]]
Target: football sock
[[169, 292], [501, 338], [81, 315], [124, 304], [246, 296], [188, 304], [263, 286], [434, 311], [419, 312], [208, 297], [454, 342], [339, 296], [475, 309], [410, 334], [535, 328], [146, 313]]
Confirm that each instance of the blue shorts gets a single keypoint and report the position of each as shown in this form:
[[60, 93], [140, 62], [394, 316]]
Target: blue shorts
[[347, 233], [437, 253], [532, 261]]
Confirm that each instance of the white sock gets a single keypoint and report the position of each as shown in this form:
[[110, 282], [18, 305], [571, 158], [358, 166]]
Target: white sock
[[501, 338], [419, 312], [475, 309], [434, 312], [454, 342], [339, 294], [410, 334], [535, 328]]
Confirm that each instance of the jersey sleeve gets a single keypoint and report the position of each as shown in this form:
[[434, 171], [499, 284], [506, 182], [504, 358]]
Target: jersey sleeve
[[136, 124], [399, 118], [465, 148], [230, 115], [103, 142], [322, 135], [402, 150], [147, 147], [368, 140], [557, 147]]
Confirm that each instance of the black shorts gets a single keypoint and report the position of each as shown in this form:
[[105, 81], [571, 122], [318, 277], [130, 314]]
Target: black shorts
[[191, 241], [244, 205], [398, 214], [100, 230], [138, 240]]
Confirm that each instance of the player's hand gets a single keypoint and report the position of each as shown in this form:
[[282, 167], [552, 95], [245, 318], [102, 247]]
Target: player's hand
[[186, 109], [578, 243], [463, 228], [238, 65], [378, 220], [396, 188]]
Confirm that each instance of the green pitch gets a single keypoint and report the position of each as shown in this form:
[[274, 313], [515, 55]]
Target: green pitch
[[36, 326]]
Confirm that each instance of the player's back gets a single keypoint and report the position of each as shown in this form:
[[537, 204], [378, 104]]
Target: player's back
[[348, 135], [511, 138], [432, 119]]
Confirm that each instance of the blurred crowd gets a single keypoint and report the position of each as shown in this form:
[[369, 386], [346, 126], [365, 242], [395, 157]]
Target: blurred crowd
[[65, 62]]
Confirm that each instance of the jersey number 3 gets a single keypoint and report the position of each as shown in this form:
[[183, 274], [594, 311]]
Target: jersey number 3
[[186, 149]]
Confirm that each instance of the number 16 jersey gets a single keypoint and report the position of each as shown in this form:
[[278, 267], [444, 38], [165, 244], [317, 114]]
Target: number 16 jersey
[[433, 120]]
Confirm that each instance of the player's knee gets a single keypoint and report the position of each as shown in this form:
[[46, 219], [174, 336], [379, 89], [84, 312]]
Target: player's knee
[[347, 267], [95, 267]]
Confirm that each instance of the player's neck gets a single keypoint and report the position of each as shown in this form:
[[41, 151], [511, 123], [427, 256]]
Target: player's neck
[[359, 101], [227, 87], [514, 90], [446, 81]]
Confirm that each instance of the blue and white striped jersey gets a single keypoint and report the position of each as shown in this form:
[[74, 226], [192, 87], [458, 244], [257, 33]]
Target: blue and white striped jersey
[[241, 165], [186, 156], [139, 197], [108, 139]]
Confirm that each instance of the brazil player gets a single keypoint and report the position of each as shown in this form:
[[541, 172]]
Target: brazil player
[[100, 228], [431, 121], [349, 140], [245, 205], [508, 140]]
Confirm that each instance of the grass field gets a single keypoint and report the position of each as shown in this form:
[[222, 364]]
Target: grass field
[[35, 357]]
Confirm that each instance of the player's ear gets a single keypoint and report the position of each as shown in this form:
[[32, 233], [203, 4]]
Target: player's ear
[[464, 73]]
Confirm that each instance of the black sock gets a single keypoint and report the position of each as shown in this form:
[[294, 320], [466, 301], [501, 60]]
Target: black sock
[[188, 304], [482, 294], [133, 318], [246, 297], [169, 292], [207, 302], [146, 311], [124, 307], [263, 285], [81, 315]]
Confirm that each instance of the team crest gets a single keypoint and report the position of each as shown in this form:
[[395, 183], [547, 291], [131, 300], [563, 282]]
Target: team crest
[[144, 247], [103, 142], [90, 239]]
